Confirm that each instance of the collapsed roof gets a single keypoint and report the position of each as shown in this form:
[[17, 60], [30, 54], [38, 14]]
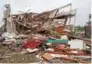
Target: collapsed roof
[[29, 21]]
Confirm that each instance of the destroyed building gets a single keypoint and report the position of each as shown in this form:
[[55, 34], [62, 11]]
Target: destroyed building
[[30, 21], [46, 34]]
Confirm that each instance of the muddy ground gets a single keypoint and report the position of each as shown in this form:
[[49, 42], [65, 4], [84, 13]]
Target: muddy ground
[[8, 56]]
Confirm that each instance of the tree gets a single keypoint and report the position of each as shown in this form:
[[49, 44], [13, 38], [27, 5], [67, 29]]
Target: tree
[[80, 28]]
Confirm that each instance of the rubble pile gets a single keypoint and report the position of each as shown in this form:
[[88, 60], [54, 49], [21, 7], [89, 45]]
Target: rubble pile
[[45, 35]]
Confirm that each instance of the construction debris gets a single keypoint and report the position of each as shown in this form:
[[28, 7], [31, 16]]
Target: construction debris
[[44, 34]]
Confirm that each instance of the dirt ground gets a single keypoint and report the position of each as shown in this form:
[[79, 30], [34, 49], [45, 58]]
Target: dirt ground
[[8, 56]]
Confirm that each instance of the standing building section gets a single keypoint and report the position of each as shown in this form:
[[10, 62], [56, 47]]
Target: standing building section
[[9, 25]]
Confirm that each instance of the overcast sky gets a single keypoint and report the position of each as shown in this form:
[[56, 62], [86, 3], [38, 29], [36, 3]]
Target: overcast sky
[[83, 7]]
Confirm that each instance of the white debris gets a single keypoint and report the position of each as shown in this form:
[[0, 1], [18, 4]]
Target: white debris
[[8, 35], [64, 37], [50, 49], [32, 50]]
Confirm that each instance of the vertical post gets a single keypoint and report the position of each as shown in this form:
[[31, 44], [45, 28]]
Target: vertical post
[[74, 23], [65, 22], [70, 18], [84, 45]]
